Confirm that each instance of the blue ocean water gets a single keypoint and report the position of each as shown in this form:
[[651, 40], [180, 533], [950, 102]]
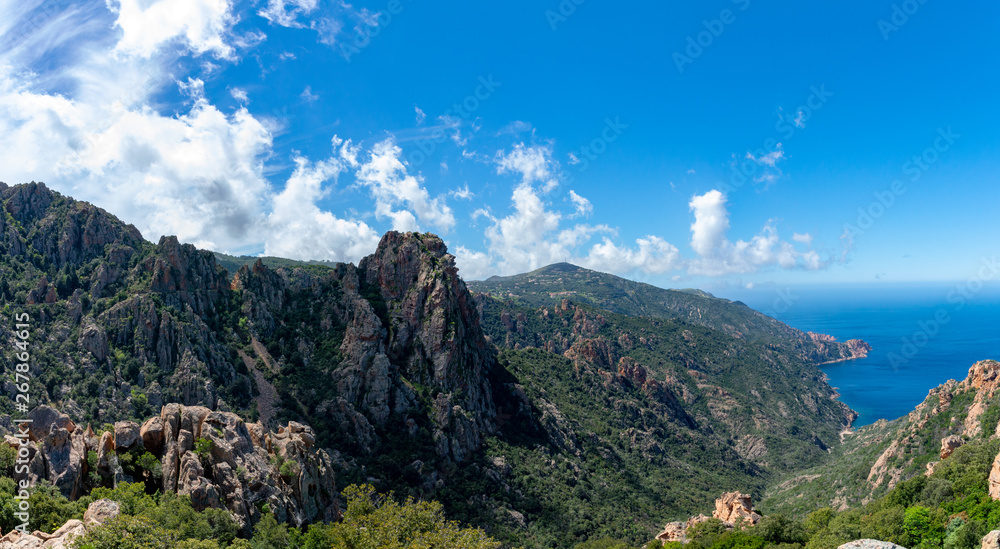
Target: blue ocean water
[[921, 337]]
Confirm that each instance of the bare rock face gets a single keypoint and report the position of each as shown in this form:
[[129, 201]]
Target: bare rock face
[[100, 512], [408, 320], [870, 544], [994, 479], [44, 419], [187, 276], [239, 467], [94, 339], [733, 506], [152, 435], [991, 540], [436, 332], [126, 435], [673, 531], [949, 444], [858, 348]]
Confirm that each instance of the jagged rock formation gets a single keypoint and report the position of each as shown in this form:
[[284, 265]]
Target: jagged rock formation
[[408, 324], [214, 457], [731, 508], [97, 514], [949, 444], [735, 507]]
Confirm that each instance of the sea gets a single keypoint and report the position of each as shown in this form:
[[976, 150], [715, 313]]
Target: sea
[[922, 335]]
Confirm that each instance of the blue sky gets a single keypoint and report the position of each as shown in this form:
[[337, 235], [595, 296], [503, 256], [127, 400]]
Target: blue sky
[[722, 145]]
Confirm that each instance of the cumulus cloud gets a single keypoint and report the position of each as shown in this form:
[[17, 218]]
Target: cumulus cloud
[[534, 233], [652, 255], [203, 26], [717, 255], [299, 229], [196, 172], [399, 196], [532, 163], [583, 206]]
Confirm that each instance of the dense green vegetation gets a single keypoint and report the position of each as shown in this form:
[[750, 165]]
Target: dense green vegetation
[[552, 284], [371, 520]]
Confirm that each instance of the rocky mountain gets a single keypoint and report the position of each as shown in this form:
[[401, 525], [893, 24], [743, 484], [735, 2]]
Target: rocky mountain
[[550, 285], [958, 418], [546, 419]]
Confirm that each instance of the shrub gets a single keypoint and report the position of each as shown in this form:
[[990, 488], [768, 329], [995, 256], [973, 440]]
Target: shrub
[[125, 532]]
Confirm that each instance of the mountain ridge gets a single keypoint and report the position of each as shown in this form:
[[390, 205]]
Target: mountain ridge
[[410, 380]]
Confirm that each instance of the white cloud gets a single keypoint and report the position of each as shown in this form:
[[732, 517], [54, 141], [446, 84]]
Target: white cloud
[[516, 127], [717, 255], [533, 163], [770, 159], [203, 26], [806, 238], [473, 265], [386, 177], [462, 194], [800, 119], [421, 115], [196, 175], [287, 13], [299, 229], [239, 94], [308, 95], [533, 235], [583, 206], [653, 255]]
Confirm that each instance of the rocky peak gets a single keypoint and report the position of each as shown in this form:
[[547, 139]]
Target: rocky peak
[[435, 337], [27, 203], [187, 275], [402, 258]]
